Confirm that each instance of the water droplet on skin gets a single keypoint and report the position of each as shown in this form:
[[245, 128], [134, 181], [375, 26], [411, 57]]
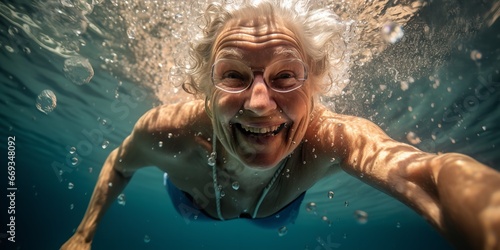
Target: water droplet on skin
[[330, 194], [211, 159], [121, 199], [71, 185], [110, 184], [131, 33], [361, 216], [282, 231], [236, 185], [147, 239], [179, 18], [46, 101], [311, 207]]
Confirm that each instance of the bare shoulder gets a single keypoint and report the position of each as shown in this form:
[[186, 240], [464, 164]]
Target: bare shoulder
[[162, 132], [340, 133], [172, 117]]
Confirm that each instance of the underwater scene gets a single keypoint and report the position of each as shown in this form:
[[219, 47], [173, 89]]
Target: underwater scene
[[76, 75]]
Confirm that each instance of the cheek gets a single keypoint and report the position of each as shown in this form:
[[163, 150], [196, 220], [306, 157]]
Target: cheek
[[226, 107], [297, 106]]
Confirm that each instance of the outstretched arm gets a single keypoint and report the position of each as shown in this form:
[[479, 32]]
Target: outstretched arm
[[457, 194], [109, 185], [115, 175]]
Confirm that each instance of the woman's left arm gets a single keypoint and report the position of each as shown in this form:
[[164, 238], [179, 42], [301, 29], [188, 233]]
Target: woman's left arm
[[457, 194]]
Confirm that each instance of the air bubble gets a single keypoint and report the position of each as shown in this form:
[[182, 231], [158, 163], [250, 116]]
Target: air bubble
[[170, 135], [282, 231], [330, 194], [361, 216], [71, 185], [72, 150], [392, 32], [160, 144], [46, 101], [147, 239], [413, 138], [475, 55], [236, 185], [78, 70], [74, 161], [121, 199], [311, 207], [105, 144]]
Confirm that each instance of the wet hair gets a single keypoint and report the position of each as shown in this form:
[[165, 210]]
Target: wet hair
[[319, 33]]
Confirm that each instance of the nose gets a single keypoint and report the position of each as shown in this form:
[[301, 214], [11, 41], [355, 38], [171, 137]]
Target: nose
[[259, 102]]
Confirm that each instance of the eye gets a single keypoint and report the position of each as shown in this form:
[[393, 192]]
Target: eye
[[233, 75], [284, 75]]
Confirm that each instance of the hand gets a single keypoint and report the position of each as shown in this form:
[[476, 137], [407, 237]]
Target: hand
[[76, 242]]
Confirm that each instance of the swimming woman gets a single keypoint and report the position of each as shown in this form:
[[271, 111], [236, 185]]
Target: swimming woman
[[260, 70]]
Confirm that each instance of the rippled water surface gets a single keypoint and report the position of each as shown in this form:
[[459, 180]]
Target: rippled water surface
[[75, 75]]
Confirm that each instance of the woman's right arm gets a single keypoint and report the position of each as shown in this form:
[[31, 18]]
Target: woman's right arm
[[109, 185], [115, 174]]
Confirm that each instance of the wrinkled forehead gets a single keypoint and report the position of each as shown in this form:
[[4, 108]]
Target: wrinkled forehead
[[245, 36]]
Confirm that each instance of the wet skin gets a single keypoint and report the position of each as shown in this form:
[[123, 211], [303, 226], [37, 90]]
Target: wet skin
[[258, 128]]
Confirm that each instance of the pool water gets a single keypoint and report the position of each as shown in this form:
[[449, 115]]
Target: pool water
[[439, 95]]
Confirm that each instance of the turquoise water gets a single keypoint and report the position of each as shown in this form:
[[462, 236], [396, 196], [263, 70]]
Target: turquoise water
[[452, 107]]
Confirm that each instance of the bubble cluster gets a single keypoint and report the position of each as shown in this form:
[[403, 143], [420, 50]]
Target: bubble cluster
[[46, 101], [392, 32]]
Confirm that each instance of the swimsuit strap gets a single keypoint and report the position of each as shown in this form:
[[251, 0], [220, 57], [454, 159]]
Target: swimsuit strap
[[212, 162], [268, 187]]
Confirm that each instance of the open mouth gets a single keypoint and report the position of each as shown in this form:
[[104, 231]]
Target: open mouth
[[268, 131]]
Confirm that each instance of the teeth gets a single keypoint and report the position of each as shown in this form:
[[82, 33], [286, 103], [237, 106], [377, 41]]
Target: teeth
[[260, 130]]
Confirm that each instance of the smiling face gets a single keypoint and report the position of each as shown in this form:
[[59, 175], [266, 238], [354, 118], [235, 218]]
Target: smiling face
[[259, 126]]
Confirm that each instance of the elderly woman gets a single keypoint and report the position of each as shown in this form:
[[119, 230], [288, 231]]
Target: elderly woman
[[259, 140]]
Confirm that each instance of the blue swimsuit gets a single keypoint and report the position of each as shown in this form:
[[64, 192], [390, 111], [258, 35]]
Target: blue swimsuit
[[185, 206]]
